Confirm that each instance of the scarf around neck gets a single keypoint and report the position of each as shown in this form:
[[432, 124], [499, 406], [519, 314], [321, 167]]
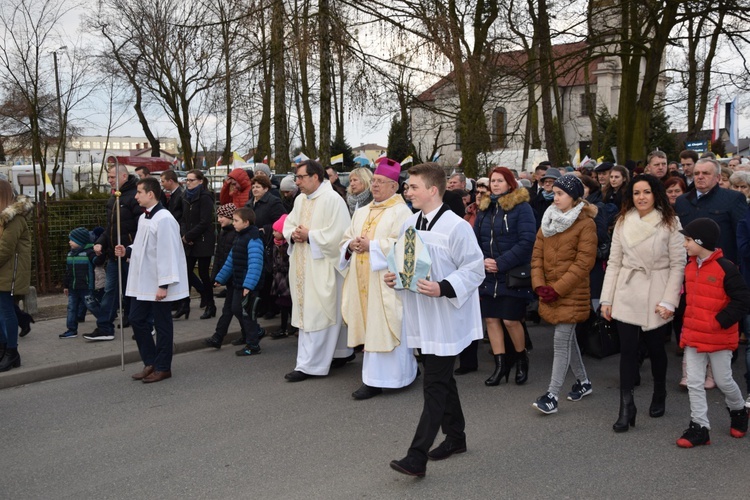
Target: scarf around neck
[[358, 200], [192, 193], [555, 221]]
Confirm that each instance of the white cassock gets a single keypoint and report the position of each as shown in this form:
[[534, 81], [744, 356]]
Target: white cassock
[[315, 281], [157, 259], [439, 325], [371, 309]]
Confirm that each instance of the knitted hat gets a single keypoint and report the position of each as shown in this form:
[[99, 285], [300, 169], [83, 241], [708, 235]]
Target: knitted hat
[[704, 232], [80, 236], [226, 210], [507, 175], [388, 168], [571, 185], [287, 184], [262, 167], [552, 173], [279, 224]]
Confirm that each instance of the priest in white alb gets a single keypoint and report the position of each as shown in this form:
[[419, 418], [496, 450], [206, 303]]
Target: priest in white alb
[[371, 309], [314, 229], [157, 277]]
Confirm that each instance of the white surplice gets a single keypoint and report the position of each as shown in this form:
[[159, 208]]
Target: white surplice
[[440, 325]]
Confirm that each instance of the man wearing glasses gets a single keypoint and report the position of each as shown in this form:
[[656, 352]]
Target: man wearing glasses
[[314, 229]]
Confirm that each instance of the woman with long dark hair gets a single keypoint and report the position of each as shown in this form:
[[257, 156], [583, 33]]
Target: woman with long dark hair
[[15, 269], [198, 237], [642, 287], [505, 228]]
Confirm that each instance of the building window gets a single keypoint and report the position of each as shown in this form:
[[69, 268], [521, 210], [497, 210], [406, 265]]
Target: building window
[[499, 128], [458, 135], [115, 145], [585, 108], [87, 145]]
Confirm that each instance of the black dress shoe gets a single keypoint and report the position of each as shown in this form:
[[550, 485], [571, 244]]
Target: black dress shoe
[[446, 449], [295, 376], [339, 362], [409, 466], [210, 312], [463, 371], [366, 392], [213, 341], [239, 341]]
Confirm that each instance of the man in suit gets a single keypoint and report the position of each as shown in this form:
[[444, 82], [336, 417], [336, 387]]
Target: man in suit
[[172, 193]]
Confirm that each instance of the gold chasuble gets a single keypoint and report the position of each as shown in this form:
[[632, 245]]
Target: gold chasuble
[[371, 310]]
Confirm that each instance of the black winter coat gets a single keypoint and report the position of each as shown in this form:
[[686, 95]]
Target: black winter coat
[[197, 224], [267, 209], [224, 243], [130, 210]]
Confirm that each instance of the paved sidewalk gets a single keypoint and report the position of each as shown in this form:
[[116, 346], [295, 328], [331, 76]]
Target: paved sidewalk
[[44, 356]]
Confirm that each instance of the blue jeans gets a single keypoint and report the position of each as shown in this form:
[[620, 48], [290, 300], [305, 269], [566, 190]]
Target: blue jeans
[[143, 314], [94, 302], [8, 321], [76, 300], [109, 304]]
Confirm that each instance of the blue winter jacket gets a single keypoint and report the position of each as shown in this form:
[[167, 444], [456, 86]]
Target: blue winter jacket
[[506, 231], [244, 265]]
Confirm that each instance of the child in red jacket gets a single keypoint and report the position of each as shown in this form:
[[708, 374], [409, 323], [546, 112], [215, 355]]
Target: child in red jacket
[[717, 298]]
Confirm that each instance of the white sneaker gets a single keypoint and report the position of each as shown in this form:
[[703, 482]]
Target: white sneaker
[[747, 401]]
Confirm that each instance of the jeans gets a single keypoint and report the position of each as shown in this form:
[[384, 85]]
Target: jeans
[[144, 314], [76, 300], [94, 302], [721, 366], [566, 354], [8, 321], [110, 304]]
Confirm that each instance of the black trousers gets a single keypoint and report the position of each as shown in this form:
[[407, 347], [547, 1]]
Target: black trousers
[[654, 340], [442, 407], [204, 285], [225, 319]]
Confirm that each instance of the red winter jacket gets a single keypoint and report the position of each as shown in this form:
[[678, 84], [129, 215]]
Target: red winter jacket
[[239, 198], [717, 298]]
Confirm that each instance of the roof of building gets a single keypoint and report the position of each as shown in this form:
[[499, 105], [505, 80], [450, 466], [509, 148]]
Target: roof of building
[[368, 147], [569, 67]]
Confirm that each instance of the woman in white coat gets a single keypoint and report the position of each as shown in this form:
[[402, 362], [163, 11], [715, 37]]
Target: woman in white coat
[[642, 287]]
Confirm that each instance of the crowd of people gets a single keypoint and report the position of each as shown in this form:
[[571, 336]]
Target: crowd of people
[[421, 271]]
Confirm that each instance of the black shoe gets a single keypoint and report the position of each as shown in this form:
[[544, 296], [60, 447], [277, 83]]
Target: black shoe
[[295, 376], [125, 322], [694, 435], [366, 392], [446, 449], [339, 362], [261, 333], [239, 341], [210, 312], [522, 367], [658, 405], [502, 369], [24, 322], [408, 466], [11, 359], [248, 350], [626, 418], [279, 334], [213, 341], [463, 371], [183, 309]]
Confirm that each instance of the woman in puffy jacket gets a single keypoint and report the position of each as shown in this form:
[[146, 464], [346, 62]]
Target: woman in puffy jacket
[[505, 227], [642, 287], [564, 253]]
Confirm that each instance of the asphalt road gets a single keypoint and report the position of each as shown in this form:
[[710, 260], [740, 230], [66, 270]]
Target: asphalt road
[[230, 427]]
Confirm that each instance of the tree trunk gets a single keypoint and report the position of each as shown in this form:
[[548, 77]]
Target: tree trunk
[[324, 27], [281, 131]]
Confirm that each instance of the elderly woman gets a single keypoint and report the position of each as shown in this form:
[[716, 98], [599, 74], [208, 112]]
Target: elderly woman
[[358, 193], [15, 269], [740, 181], [642, 288], [505, 229], [198, 238]]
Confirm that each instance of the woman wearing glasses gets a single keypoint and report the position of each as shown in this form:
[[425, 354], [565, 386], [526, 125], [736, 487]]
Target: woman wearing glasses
[[198, 237]]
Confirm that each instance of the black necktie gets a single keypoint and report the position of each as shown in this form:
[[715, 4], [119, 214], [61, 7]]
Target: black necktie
[[424, 224]]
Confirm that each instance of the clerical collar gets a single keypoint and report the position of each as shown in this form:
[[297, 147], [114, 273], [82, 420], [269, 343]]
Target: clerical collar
[[149, 212]]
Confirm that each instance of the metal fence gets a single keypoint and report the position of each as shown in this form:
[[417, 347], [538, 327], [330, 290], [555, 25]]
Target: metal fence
[[63, 217]]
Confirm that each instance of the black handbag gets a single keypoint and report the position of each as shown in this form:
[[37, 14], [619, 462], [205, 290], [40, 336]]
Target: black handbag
[[519, 277], [603, 339]]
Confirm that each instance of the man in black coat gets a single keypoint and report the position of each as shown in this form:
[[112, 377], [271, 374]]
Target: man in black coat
[[172, 193], [724, 206], [119, 178]]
